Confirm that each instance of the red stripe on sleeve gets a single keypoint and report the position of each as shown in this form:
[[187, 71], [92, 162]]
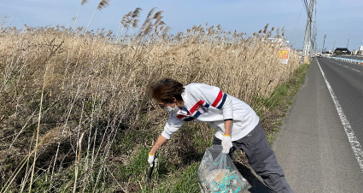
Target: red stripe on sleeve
[[194, 108], [181, 116], [218, 99]]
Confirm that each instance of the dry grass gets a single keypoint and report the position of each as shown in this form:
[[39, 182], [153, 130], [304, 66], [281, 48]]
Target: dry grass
[[94, 84]]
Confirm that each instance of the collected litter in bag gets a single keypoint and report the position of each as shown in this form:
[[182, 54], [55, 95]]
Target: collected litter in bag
[[218, 174]]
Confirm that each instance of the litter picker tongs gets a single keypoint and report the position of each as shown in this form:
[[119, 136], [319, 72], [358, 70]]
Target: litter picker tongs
[[152, 168]]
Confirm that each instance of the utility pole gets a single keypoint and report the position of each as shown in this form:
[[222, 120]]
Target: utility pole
[[315, 45], [348, 44], [322, 51], [307, 37], [313, 40], [334, 47]]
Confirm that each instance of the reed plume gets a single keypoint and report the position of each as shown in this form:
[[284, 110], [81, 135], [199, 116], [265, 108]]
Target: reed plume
[[134, 24], [265, 29], [79, 9], [103, 4], [136, 13], [157, 15], [125, 23], [146, 22], [134, 21], [126, 19], [84, 2], [151, 12]]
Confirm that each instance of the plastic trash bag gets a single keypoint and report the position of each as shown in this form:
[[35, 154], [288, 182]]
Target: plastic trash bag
[[218, 174]]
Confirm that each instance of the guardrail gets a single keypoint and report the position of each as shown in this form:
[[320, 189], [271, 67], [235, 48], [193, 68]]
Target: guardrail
[[348, 60]]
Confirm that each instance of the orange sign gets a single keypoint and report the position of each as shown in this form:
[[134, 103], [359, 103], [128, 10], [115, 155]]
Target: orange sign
[[284, 54]]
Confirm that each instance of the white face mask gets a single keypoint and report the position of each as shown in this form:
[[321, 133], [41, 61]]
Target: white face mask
[[172, 110]]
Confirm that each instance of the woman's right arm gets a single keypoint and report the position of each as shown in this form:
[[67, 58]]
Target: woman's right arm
[[170, 128], [161, 141]]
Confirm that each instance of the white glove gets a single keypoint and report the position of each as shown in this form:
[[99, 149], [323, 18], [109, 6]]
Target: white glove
[[226, 143], [152, 160]]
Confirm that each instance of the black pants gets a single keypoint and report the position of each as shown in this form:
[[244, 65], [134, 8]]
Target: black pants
[[262, 159]]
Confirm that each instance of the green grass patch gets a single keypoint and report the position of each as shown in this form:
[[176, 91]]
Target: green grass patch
[[183, 181], [272, 110], [137, 166]]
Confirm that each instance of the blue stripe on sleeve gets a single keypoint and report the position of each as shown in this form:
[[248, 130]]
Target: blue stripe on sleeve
[[185, 109], [223, 100], [197, 114], [189, 119]]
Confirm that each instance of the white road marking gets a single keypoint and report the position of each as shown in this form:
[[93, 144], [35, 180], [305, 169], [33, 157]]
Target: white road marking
[[357, 148], [355, 70], [348, 67]]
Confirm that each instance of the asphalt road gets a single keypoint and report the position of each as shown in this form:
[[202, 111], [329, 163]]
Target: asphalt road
[[313, 146]]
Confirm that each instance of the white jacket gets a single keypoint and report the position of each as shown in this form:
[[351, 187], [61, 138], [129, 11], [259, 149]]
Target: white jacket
[[207, 103]]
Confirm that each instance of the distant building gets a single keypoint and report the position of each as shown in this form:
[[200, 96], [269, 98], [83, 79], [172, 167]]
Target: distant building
[[327, 53], [360, 51], [354, 52], [279, 41], [342, 51]]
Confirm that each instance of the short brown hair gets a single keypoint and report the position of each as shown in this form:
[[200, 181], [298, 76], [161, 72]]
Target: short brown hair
[[165, 89]]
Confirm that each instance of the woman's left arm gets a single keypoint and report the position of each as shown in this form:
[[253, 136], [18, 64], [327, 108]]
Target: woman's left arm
[[216, 98], [228, 127]]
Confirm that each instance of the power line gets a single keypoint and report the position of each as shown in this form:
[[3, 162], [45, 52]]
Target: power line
[[296, 23]]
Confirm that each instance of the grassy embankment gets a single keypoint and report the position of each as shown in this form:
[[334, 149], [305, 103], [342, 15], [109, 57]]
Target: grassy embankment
[[74, 114]]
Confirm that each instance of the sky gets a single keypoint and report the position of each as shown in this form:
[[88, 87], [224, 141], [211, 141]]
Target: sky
[[340, 20]]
